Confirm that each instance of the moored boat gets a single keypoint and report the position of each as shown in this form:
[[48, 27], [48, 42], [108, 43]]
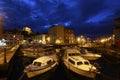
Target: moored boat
[[89, 55], [77, 64], [40, 66]]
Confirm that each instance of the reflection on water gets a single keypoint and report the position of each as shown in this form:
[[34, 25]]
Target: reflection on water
[[109, 70]]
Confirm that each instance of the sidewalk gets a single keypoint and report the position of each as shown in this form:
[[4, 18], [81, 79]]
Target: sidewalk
[[9, 54], [4, 65]]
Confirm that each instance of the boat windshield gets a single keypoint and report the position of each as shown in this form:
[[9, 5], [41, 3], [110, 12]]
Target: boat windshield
[[71, 61], [74, 54], [87, 63], [37, 63], [79, 63], [49, 62]]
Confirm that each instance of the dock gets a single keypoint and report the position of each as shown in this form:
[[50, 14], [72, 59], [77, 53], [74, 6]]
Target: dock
[[5, 57]]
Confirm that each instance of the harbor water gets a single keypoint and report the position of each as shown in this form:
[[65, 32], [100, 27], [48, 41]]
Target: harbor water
[[109, 68]]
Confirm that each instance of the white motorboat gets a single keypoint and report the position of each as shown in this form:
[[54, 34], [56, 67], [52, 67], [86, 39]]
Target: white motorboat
[[40, 66], [77, 64], [89, 55], [34, 53]]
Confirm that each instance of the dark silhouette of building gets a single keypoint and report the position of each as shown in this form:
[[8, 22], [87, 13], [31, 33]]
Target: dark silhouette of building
[[117, 31]]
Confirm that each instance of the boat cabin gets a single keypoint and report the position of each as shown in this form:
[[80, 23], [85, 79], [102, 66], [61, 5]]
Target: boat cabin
[[77, 61], [71, 52], [43, 61]]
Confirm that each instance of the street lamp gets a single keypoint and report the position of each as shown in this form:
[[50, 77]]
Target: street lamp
[[48, 39], [57, 41], [81, 40], [78, 40]]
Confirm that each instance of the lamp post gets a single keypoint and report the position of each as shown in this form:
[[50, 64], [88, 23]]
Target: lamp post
[[13, 40]]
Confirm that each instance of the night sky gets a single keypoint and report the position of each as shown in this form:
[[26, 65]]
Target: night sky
[[88, 17]]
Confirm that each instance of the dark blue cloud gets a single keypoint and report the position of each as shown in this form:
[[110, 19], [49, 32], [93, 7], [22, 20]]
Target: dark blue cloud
[[84, 16], [100, 16]]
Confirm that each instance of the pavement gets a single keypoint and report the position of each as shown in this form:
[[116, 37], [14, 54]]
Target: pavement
[[9, 54], [5, 63]]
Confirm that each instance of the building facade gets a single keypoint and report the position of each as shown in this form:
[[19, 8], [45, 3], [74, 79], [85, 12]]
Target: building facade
[[41, 38], [56, 34], [12, 37], [28, 30], [69, 35], [116, 31], [60, 35]]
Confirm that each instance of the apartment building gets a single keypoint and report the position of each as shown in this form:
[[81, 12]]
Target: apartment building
[[61, 35]]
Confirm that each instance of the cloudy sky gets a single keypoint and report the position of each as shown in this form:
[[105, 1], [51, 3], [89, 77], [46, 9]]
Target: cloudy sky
[[88, 17]]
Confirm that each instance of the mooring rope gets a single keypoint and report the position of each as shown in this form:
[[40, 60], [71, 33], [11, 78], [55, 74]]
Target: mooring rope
[[21, 76]]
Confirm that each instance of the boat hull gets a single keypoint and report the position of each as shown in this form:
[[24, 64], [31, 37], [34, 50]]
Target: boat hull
[[31, 74], [90, 57], [79, 71]]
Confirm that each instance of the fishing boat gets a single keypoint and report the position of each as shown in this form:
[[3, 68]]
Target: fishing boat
[[79, 65], [40, 65]]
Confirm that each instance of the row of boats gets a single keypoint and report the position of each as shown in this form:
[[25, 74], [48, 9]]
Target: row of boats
[[74, 59]]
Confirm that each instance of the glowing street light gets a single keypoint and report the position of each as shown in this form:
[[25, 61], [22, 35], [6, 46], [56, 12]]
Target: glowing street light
[[102, 40], [57, 41], [48, 39], [78, 40]]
